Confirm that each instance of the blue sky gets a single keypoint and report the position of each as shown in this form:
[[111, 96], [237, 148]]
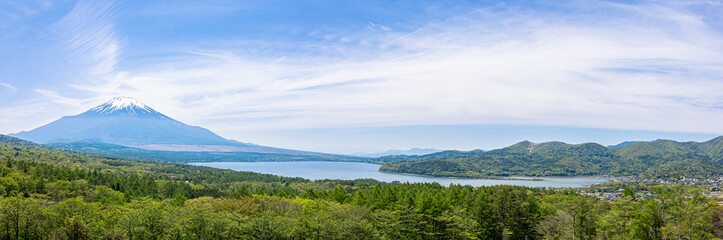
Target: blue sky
[[365, 76]]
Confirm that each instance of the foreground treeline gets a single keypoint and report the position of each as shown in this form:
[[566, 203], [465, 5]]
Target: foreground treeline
[[48, 193], [40, 201]]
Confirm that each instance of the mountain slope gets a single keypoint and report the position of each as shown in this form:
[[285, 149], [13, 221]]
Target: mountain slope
[[123, 121], [658, 159], [118, 151], [128, 122], [413, 151], [14, 149], [622, 144]]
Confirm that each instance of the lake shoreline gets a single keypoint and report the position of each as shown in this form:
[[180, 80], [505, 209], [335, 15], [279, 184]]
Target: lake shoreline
[[514, 178], [318, 170], [452, 177]]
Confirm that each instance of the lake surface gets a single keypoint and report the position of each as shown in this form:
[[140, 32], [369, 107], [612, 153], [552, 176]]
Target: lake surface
[[354, 170]]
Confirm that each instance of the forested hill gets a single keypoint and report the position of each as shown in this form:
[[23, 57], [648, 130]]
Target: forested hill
[[118, 151], [658, 159], [17, 150], [52, 193]]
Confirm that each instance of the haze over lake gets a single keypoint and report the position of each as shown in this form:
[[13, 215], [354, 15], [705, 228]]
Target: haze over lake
[[355, 170]]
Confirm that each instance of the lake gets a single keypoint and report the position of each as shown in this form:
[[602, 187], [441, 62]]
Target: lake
[[355, 170]]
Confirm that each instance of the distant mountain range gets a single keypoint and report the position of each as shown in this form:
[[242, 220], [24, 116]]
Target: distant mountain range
[[658, 159], [622, 144], [626, 143], [413, 151], [125, 125]]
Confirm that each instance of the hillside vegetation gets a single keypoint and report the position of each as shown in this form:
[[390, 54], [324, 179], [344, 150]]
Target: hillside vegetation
[[659, 159], [51, 193], [118, 151]]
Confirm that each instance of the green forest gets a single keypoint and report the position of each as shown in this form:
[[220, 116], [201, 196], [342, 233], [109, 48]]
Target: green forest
[[54, 193], [662, 159], [113, 150]]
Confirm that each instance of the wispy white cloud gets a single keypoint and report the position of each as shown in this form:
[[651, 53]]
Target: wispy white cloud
[[30, 7], [46, 51], [8, 86], [195, 8], [23, 115], [519, 68], [57, 98], [649, 66], [90, 36], [373, 26]]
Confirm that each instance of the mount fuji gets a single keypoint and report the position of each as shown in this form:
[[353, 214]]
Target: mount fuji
[[128, 122], [123, 121]]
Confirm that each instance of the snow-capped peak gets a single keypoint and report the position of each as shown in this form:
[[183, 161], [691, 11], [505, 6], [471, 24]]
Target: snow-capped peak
[[125, 106], [124, 102]]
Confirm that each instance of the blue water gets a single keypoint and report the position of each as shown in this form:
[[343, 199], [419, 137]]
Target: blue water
[[353, 170]]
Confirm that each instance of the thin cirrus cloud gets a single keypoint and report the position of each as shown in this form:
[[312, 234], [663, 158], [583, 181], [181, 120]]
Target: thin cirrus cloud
[[644, 66], [8, 86], [88, 41], [89, 36], [50, 45]]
